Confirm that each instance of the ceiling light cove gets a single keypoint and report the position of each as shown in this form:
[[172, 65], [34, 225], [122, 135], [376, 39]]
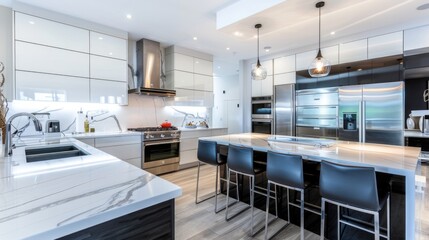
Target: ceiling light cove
[[129, 16]]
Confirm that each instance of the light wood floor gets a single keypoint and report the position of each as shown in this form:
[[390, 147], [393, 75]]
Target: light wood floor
[[200, 222]]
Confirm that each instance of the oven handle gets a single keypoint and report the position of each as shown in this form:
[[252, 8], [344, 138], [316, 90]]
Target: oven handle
[[267, 120], [160, 142]]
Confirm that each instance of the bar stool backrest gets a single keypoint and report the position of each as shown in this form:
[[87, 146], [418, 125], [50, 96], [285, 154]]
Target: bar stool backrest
[[207, 152], [285, 169], [351, 185], [240, 159]]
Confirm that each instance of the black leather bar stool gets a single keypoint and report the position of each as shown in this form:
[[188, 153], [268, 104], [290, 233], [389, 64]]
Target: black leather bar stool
[[207, 153], [286, 171], [240, 161], [353, 188]]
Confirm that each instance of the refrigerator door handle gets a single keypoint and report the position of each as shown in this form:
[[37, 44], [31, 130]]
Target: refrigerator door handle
[[359, 118], [363, 121]]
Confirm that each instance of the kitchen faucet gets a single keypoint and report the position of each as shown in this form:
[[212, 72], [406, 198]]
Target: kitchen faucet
[[9, 136]]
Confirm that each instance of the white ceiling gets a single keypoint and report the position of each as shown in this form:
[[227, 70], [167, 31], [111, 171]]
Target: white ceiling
[[289, 25]]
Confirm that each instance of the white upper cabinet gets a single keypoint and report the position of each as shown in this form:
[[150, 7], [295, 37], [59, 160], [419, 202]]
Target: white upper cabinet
[[331, 54], [179, 79], [109, 92], [108, 46], [285, 78], [267, 86], [38, 58], [385, 45], [416, 38], [53, 88], [203, 82], [183, 63], [41, 31], [354, 51], [284, 64], [108, 68], [304, 59], [268, 65], [203, 67]]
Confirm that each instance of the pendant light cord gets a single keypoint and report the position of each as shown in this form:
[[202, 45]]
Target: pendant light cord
[[320, 24], [257, 49]]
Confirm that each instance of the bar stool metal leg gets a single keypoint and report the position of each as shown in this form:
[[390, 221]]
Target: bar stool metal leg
[[322, 216], [252, 199], [302, 214], [376, 226], [267, 209], [388, 216], [227, 194]]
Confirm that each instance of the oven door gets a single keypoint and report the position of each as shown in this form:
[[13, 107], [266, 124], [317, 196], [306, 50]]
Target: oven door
[[160, 153], [262, 126], [261, 107]]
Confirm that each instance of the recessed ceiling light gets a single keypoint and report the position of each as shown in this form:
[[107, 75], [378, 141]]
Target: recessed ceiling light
[[110, 53], [31, 22], [267, 48], [195, 38], [218, 67], [238, 34], [423, 7], [129, 16], [255, 36], [227, 48], [101, 38], [359, 69], [332, 33]]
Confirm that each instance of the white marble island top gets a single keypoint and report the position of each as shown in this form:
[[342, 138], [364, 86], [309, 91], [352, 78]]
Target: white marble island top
[[50, 199], [384, 158]]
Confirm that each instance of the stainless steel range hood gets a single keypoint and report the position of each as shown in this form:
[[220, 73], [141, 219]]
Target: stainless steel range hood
[[149, 70]]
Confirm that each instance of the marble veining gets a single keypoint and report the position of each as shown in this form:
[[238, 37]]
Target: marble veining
[[50, 199]]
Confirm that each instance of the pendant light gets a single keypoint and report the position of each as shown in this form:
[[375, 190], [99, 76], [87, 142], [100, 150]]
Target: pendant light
[[258, 72], [320, 66]]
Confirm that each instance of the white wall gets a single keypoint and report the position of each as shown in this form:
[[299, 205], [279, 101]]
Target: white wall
[[225, 89]]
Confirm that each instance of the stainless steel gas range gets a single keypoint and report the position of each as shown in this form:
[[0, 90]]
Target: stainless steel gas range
[[160, 149]]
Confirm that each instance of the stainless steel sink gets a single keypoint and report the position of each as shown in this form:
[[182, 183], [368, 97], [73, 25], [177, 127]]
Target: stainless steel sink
[[52, 153]]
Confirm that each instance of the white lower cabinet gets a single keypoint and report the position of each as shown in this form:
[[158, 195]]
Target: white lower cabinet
[[109, 92], [53, 88], [126, 148], [189, 144]]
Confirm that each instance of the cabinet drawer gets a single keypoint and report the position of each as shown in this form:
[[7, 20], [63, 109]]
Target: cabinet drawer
[[37, 58], [37, 30], [119, 140], [108, 68], [123, 152], [89, 141], [108, 46], [109, 92], [53, 88], [316, 99], [188, 156], [195, 133], [188, 144]]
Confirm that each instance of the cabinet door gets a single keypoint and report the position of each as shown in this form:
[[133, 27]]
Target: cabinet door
[[123, 152], [183, 62], [108, 92], [203, 82], [117, 140], [416, 38], [37, 58], [284, 64], [303, 60], [331, 54], [202, 66], [108, 68], [267, 86], [385, 45], [53, 88], [354, 51], [108, 46], [183, 79], [256, 88], [203, 99], [37, 30], [188, 144], [285, 78], [189, 156]]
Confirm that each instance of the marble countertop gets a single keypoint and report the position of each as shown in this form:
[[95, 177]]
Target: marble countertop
[[199, 129], [50, 199], [103, 134], [415, 133], [384, 158]]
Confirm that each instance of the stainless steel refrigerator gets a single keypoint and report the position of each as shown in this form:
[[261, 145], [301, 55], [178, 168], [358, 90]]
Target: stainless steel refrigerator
[[372, 113], [284, 109]]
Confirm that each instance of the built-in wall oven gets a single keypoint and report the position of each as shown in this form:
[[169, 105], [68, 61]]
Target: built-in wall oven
[[160, 149], [317, 113], [262, 118]]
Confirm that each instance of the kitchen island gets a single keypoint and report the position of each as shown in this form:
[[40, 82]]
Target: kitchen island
[[386, 159], [56, 198]]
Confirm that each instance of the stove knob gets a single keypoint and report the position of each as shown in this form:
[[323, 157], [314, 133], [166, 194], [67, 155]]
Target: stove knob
[[162, 135], [151, 136], [147, 136]]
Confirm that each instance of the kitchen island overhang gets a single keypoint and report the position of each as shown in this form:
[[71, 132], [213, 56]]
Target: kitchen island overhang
[[389, 159]]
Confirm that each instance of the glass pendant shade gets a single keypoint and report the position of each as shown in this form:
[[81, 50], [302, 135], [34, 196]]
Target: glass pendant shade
[[319, 67], [259, 72]]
